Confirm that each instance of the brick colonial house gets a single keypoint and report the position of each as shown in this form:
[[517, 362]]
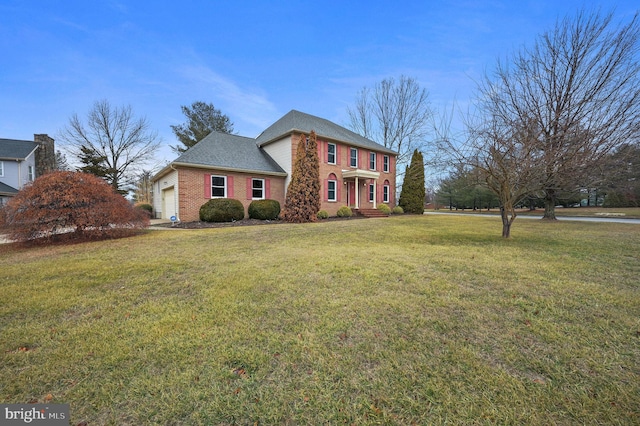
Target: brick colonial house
[[22, 161], [354, 171]]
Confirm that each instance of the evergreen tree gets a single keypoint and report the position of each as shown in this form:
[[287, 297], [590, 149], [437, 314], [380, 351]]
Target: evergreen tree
[[413, 192], [202, 119], [302, 202]]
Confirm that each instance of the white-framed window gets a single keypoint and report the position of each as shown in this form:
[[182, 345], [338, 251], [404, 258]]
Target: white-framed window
[[385, 163], [372, 189], [1, 168], [332, 190], [353, 157], [385, 193], [257, 189], [218, 186], [31, 175], [331, 153], [372, 160]]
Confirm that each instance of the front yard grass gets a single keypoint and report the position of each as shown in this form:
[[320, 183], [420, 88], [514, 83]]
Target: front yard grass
[[402, 320]]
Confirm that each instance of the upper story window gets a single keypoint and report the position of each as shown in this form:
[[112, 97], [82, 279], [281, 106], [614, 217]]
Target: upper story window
[[385, 163], [331, 153], [353, 157], [218, 186], [372, 160], [257, 189]]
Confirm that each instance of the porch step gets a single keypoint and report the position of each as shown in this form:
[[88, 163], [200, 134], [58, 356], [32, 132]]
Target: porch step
[[369, 213]]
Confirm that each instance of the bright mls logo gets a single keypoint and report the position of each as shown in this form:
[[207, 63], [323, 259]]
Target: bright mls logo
[[34, 414]]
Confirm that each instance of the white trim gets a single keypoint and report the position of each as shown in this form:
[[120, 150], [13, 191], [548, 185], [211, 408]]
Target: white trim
[[224, 186], [335, 152], [335, 190], [264, 189]]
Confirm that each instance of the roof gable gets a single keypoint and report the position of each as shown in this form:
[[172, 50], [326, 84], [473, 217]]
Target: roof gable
[[226, 151], [12, 149], [298, 121]]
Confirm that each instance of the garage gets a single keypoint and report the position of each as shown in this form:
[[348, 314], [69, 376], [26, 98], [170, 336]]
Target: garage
[[169, 203]]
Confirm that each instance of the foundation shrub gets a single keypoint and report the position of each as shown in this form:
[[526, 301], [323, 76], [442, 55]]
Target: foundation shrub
[[384, 208], [222, 210], [323, 214], [344, 211], [264, 209], [397, 210]]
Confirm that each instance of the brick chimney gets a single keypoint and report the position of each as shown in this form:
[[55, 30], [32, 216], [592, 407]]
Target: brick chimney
[[45, 154]]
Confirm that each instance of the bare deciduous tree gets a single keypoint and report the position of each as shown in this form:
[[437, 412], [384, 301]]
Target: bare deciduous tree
[[577, 91], [114, 135], [395, 114]]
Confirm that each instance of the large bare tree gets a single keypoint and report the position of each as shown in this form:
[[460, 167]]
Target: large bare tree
[[395, 114], [577, 92], [117, 140]]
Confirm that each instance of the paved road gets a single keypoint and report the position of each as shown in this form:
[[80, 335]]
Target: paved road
[[602, 219]]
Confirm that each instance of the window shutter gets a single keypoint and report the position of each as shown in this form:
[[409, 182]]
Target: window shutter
[[229, 186], [249, 188], [338, 186], [207, 186], [267, 189], [326, 189], [337, 154]]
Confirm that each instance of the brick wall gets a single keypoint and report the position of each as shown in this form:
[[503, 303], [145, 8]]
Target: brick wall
[[342, 163], [191, 182]]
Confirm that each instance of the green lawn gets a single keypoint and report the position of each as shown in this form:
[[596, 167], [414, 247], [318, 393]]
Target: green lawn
[[613, 212], [405, 320]]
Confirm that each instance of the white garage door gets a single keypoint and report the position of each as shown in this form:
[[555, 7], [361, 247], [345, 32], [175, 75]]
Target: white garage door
[[168, 203]]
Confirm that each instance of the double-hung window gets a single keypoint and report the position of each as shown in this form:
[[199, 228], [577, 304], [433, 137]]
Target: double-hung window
[[372, 189], [218, 186], [31, 175], [257, 189], [385, 194], [1, 169], [372, 160], [353, 157], [331, 153], [332, 186], [385, 164]]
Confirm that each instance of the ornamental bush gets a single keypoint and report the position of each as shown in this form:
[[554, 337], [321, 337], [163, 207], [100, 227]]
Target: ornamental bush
[[70, 206], [222, 210], [344, 211], [397, 210], [264, 209], [384, 208], [145, 207], [323, 214]]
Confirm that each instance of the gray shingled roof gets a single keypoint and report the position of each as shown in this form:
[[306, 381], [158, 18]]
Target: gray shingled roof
[[6, 189], [301, 122], [222, 150], [11, 149]]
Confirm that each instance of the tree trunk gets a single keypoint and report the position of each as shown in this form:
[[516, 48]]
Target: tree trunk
[[507, 221], [550, 206]]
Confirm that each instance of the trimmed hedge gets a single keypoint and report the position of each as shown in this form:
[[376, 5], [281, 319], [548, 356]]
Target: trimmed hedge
[[264, 209], [323, 214], [344, 211], [222, 210], [384, 208], [397, 210]]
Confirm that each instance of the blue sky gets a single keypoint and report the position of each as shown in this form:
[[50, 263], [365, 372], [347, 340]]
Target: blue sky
[[254, 60]]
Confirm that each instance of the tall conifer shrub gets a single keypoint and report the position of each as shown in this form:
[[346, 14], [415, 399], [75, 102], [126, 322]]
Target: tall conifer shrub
[[302, 202], [413, 192]]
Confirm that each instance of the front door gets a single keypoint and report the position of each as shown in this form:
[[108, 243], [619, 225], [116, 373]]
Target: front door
[[351, 193]]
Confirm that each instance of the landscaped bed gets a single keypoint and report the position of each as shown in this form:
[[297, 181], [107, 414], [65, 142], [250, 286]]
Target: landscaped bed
[[405, 320]]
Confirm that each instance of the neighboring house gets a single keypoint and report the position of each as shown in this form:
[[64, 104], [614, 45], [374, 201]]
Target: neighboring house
[[354, 171], [23, 161]]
